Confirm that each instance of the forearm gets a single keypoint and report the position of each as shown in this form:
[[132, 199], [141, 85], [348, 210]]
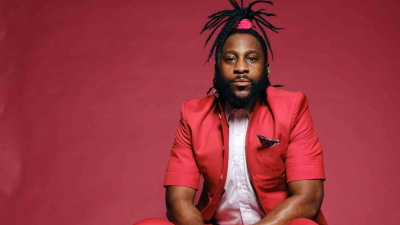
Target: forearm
[[184, 213], [293, 207]]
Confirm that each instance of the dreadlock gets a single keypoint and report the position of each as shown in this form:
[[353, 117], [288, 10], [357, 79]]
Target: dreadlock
[[231, 17]]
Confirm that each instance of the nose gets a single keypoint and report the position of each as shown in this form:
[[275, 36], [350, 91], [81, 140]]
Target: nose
[[241, 67]]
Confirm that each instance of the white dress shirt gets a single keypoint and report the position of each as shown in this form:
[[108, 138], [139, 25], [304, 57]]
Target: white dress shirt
[[239, 204]]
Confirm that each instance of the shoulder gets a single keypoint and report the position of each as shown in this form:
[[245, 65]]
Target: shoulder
[[286, 106], [198, 107], [279, 92], [278, 97], [199, 103]]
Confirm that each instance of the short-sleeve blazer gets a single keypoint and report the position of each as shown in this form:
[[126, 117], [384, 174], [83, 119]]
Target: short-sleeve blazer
[[201, 147]]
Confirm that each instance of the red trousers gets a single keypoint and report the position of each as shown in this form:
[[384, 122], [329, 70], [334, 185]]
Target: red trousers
[[166, 222]]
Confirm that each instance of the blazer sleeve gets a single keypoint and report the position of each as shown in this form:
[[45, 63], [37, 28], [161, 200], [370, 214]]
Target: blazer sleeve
[[304, 155], [182, 168]]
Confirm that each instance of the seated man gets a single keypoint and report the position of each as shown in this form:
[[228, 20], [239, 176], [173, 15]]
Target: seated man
[[254, 144]]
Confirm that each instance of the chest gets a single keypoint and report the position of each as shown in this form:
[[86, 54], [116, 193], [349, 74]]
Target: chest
[[211, 146]]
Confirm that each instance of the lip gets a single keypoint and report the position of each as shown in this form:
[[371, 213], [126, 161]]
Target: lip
[[241, 80], [242, 83]]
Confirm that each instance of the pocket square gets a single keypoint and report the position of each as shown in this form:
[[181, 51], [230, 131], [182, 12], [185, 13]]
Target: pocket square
[[266, 142]]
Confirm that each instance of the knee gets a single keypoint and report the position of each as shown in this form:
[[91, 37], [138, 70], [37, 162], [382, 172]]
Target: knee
[[154, 222], [302, 221]]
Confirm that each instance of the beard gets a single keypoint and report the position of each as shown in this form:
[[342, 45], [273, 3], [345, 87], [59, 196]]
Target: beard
[[227, 93]]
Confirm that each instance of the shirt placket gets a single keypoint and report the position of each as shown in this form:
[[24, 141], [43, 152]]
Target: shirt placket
[[239, 142]]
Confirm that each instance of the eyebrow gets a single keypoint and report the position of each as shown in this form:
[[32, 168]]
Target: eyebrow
[[235, 52]]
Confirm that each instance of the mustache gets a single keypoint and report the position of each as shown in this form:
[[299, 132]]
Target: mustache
[[241, 76]]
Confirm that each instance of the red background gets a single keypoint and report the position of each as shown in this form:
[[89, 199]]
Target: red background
[[90, 94]]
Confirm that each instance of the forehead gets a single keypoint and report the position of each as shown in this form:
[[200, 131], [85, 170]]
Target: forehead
[[242, 43]]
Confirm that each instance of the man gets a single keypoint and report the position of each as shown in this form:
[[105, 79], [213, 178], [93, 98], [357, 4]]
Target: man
[[254, 144]]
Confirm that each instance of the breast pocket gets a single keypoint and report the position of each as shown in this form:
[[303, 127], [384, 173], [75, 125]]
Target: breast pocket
[[277, 149], [272, 166]]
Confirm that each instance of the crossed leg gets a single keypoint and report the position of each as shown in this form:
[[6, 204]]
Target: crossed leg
[[166, 222]]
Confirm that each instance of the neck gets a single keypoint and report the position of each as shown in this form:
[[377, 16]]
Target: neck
[[248, 106]]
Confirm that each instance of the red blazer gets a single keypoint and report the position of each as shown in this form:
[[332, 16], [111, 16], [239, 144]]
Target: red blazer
[[201, 146]]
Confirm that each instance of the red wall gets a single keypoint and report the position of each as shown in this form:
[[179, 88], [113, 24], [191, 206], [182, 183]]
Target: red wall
[[90, 94]]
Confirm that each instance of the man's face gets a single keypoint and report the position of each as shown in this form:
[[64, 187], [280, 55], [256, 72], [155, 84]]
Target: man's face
[[242, 70]]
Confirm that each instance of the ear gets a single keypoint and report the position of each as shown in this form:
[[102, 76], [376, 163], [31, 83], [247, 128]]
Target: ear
[[268, 70]]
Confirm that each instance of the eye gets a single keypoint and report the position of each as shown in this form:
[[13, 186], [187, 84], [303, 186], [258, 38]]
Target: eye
[[252, 59], [230, 59]]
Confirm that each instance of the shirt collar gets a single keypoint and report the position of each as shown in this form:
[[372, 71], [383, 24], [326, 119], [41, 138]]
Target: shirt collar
[[229, 109]]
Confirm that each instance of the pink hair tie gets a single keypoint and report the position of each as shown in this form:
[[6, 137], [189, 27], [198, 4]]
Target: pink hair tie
[[244, 24]]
